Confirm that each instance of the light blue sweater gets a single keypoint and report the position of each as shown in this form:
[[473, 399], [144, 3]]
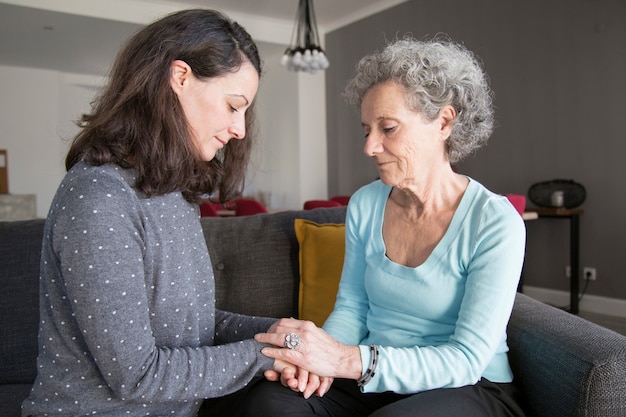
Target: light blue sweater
[[443, 323]]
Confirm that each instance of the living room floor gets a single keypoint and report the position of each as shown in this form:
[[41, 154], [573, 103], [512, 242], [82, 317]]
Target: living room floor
[[617, 324]]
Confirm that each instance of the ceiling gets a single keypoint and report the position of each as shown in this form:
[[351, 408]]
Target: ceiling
[[83, 37], [330, 14]]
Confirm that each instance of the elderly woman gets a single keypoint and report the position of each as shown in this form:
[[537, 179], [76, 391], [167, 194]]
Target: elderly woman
[[432, 258]]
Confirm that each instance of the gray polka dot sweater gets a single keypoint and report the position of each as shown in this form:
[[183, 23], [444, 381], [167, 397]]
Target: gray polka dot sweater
[[128, 319]]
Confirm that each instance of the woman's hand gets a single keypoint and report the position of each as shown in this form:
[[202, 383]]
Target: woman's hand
[[317, 352], [298, 379], [288, 375]]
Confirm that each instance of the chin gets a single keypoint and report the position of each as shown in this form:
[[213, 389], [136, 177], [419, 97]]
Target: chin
[[208, 153]]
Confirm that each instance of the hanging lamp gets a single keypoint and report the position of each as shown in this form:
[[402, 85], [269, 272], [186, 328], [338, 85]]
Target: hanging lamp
[[304, 52]]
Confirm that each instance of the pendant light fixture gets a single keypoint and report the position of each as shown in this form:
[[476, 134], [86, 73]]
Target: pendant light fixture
[[304, 52]]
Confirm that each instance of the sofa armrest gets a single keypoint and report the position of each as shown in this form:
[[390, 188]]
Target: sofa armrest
[[565, 365]]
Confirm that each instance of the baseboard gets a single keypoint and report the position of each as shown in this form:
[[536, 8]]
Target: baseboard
[[591, 303]]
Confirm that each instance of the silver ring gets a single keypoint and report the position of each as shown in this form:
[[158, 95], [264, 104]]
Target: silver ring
[[292, 341]]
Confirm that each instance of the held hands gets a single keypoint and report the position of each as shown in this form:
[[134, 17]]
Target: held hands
[[298, 379], [317, 356]]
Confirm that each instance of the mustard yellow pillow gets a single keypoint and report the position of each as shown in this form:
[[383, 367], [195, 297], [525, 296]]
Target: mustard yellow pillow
[[322, 248]]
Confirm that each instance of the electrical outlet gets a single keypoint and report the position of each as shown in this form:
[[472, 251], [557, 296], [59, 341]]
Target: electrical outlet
[[568, 271], [589, 273]]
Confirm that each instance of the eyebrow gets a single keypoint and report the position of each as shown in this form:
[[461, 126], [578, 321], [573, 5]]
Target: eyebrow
[[378, 119]]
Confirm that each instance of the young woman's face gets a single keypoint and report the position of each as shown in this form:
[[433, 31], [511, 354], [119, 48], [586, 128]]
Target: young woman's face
[[215, 108]]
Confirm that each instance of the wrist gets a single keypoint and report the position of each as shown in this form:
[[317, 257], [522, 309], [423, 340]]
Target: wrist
[[352, 367]]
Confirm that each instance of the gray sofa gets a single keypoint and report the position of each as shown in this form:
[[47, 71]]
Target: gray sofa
[[565, 366]]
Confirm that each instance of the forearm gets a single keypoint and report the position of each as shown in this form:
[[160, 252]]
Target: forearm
[[233, 327]]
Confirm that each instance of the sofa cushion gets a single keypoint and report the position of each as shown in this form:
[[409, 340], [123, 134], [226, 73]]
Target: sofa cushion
[[322, 247], [20, 251], [555, 354]]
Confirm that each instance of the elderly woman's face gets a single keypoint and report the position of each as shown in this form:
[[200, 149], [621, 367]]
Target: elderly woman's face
[[404, 145]]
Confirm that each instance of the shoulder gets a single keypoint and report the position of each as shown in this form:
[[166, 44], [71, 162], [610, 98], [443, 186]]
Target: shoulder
[[492, 211], [369, 193], [88, 189], [83, 174], [367, 207]]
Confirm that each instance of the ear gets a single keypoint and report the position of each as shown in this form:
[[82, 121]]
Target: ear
[[447, 115], [180, 73]]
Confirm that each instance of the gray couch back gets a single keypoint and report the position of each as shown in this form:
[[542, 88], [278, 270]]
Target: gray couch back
[[253, 275]]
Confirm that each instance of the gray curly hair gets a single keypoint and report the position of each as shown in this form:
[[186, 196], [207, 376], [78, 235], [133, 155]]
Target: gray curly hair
[[434, 73]]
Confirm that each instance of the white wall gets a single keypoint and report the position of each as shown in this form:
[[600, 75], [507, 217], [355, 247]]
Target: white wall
[[274, 165], [38, 109], [36, 113], [290, 162]]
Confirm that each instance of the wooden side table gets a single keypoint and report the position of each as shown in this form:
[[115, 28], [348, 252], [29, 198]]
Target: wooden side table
[[574, 246]]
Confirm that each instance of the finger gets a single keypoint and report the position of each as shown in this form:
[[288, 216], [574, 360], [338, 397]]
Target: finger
[[286, 355], [276, 339], [312, 385], [325, 383], [303, 379], [271, 375], [288, 378], [287, 375], [292, 383]]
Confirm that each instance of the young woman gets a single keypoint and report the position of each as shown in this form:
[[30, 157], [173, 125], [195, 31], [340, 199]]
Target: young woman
[[128, 319]]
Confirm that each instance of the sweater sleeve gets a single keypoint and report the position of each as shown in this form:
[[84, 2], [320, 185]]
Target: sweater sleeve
[[233, 327], [100, 245]]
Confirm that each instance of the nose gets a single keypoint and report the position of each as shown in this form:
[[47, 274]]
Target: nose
[[238, 128], [373, 145]]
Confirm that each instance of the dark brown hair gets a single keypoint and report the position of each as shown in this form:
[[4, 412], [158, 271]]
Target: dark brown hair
[[137, 120]]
